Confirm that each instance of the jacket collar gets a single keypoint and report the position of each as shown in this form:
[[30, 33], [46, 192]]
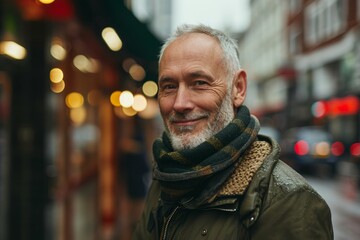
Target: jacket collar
[[255, 194], [248, 197]]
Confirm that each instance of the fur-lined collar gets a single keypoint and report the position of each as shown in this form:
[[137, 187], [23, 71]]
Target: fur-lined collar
[[244, 172]]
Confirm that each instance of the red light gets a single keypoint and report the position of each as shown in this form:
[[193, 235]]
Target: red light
[[337, 149], [344, 106], [355, 149], [301, 148]]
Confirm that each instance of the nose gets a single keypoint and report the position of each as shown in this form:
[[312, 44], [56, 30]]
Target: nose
[[183, 101]]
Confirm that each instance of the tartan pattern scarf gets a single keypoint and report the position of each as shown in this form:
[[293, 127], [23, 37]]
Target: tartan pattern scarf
[[192, 177]]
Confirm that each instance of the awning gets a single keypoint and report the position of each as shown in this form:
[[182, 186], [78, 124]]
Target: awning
[[138, 41]]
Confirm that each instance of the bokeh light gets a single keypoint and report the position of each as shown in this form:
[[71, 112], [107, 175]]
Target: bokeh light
[[46, 1], [150, 88], [78, 115], [129, 111], [56, 75], [126, 99], [115, 98], [140, 103], [12, 49], [111, 39], [74, 100], [137, 72], [57, 50], [57, 87]]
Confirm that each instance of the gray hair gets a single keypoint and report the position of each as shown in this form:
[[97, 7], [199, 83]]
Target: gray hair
[[227, 44]]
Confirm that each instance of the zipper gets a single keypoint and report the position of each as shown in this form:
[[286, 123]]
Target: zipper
[[168, 222], [224, 209], [221, 208]]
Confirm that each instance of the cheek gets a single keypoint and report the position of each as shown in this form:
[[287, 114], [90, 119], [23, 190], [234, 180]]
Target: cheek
[[209, 102], [165, 106]]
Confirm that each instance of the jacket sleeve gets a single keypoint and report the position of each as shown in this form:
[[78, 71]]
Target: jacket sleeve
[[300, 214]]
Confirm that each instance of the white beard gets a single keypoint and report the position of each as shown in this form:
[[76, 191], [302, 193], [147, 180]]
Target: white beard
[[187, 139]]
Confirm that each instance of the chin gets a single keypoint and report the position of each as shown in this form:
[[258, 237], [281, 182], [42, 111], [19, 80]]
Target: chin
[[187, 140]]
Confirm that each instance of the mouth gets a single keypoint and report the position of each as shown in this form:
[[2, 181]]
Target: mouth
[[186, 122]]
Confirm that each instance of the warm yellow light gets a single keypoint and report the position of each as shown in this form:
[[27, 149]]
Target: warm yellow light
[[111, 39], [129, 111], [81, 62], [86, 65], [78, 115], [57, 87], [46, 1], [126, 99], [139, 103], [58, 52], [150, 88], [137, 72], [115, 98], [12, 49], [74, 100], [322, 149], [56, 75]]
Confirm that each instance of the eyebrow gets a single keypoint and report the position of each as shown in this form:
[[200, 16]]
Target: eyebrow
[[194, 74], [165, 79], [199, 73]]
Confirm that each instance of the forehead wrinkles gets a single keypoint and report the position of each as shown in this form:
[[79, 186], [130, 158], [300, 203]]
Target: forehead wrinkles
[[195, 47]]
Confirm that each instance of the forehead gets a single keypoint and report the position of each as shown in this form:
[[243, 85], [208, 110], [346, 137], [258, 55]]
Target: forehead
[[193, 45], [195, 37]]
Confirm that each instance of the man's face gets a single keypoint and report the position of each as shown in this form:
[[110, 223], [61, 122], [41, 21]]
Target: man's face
[[194, 99]]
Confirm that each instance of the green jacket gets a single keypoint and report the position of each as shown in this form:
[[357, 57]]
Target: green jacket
[[277, 204]]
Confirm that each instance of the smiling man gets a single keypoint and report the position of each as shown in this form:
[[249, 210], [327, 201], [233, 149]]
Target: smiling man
[[194, 99], [214, 176]]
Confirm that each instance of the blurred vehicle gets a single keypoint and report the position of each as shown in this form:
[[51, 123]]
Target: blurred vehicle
[[310, 150]]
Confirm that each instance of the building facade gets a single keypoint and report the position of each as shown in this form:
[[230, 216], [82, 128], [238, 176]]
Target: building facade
[[324, 40], [302, 58], [263, 54]]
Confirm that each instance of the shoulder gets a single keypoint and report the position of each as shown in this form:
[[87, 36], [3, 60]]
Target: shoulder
[[286, 183], [291, 208], [276, 181], [287, 179]]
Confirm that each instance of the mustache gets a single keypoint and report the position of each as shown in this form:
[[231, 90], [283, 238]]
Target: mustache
[[187, 116]]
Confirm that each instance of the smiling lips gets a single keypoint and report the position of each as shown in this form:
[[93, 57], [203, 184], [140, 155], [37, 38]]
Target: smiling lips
[[186, 120]]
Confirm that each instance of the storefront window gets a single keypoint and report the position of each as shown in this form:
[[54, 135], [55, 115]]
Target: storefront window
[[325, 19]]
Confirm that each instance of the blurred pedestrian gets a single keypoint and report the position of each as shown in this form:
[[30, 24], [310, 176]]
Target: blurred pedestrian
[[214, 176], [134, 176]]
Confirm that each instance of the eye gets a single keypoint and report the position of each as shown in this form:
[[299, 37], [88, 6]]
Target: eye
[[200, 83], [167, 86]]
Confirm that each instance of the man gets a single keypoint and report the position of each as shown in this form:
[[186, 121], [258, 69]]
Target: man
[[214, 176]]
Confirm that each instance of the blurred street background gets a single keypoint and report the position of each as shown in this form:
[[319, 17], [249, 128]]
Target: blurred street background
[[78, 111]]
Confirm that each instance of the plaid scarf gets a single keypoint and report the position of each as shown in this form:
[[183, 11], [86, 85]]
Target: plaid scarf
[[192, 177]]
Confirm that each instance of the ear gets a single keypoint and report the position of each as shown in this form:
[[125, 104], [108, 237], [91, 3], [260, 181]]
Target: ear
[[239, 88]]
